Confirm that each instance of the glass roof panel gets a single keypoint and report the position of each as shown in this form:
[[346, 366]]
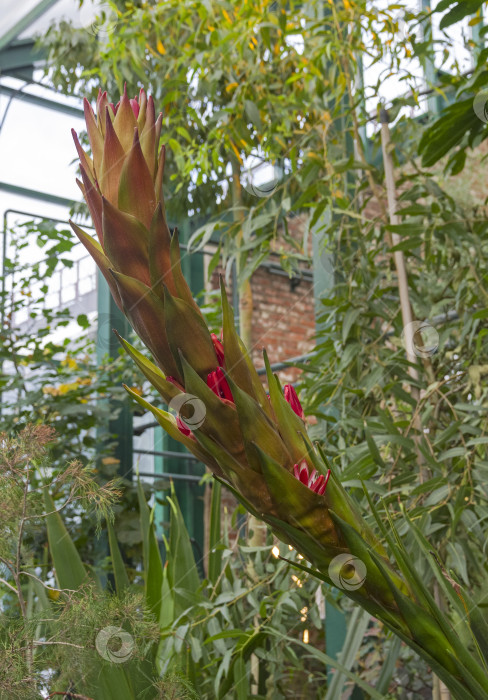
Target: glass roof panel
[[12, 12], [63, 9]]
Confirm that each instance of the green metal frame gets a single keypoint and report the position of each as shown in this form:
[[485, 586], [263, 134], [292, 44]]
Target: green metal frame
[[41, 101], [25, 22], [188, 492], [110, 318], [18, 59], [35, 194]]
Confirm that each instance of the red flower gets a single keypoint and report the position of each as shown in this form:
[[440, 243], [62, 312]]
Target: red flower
[[293, 400], [219, 349], [218, 383], [182, 427], [314, 482]]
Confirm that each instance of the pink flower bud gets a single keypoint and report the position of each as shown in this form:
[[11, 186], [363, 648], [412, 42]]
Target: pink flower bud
[[293, 400], [182, 427], [176, 383], [218, 383], [315, 483]]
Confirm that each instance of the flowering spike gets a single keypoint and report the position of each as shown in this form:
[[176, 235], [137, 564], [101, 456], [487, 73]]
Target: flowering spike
[[85, 161], [293, 400], [136, 188], [125, 122], [258, 447], [112, 162], [102, 104], [141, 119], [94, 202], [125, 242], [94, 135]]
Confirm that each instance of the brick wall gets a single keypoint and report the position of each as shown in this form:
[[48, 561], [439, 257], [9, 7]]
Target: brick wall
[[283, 319], [283, 308]]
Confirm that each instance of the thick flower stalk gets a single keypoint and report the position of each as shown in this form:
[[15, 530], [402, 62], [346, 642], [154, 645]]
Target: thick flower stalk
[[257, 444]]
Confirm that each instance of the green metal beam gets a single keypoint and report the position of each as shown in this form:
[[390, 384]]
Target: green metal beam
[[35, 194], [25, 22], [42, 102], [20, 57]]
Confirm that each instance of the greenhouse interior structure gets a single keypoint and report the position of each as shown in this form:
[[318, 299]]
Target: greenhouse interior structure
[[244, 350]]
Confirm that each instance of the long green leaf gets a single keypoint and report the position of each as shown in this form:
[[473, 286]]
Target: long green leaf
[[325, 659], [182, 569], [119, 570], [389, 665], [153, 565], [356, 629], [241, 682], [68, 567], [214, 551], [108, 681]]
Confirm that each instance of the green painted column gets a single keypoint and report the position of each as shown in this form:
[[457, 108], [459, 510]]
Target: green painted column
[[189, 493], [119, 422], [434, 102], [335, 633], [110, 318]]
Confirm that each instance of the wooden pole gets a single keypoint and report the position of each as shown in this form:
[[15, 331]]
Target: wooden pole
[[439, 691], [401, 268]]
